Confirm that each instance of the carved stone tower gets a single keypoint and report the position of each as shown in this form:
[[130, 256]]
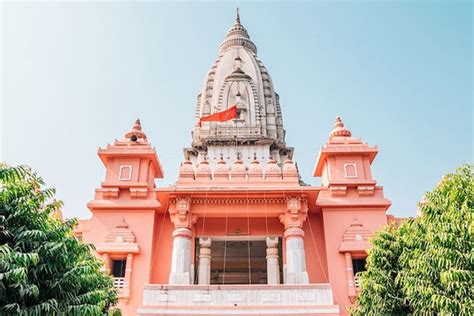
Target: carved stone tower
[[238, 77]]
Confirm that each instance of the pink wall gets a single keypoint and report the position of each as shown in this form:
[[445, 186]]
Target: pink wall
[[141, 223], [336, 221], [163, 243], [315, 248]]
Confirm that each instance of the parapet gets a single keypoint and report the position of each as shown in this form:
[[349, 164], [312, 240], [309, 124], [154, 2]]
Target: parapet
[[238, 173]]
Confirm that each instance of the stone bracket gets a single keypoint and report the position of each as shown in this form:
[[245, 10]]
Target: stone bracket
[[181, 215]]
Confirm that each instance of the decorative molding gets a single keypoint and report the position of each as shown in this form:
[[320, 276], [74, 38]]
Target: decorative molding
[[122, 168], [366, 190], [355, 170], [234, 201], [338, 190], [355, 238], [296, 214], [181, 215], [120, 240]]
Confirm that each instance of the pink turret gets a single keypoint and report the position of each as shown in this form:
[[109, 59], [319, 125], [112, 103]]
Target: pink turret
[[131, 167], [352, 206], [344, 163], [123, 214]]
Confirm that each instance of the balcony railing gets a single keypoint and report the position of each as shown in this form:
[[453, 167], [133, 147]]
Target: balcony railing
[[264, 299], [230, 131], [119, 283], [357, 281]]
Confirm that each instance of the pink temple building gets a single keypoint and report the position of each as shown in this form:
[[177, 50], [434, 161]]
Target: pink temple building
[[239, 233]]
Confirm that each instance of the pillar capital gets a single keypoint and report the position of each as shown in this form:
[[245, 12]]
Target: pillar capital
[[180, 213], [272, 241], [205, 242], [294, 232], [296, 213], [183, 232]]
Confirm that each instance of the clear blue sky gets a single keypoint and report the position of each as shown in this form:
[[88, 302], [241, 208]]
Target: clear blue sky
[[76, 75]]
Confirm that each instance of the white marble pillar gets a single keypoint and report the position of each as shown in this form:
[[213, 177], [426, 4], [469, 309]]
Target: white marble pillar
[[273, 266], [204, 269], [181, 257], [295, 256]]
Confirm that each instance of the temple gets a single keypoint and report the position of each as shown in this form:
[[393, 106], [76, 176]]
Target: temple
[[239, 233]]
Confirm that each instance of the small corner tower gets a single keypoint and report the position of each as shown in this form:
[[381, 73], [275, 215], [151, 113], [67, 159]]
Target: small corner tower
[[132, 166], [345, 163]]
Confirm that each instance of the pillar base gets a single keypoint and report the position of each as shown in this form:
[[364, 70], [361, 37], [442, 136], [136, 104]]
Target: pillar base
[[179, 278], [297, 278]]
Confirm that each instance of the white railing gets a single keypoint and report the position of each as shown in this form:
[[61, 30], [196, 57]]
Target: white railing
[[230, 131], [119, 283], [357, 281], [281, 299]]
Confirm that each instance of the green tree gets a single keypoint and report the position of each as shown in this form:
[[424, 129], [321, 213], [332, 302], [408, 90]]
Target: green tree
[[425, 266], [44, 269], [380, 294]]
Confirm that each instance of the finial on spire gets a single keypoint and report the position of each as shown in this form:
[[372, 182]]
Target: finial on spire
[[339, 129], [136, 133], [137, 125], [122, 224], [237, 16]]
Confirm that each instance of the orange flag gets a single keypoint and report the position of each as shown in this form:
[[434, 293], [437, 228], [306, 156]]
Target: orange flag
[[224, 116]]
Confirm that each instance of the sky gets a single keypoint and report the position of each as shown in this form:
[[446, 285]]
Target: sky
[[75, 75]]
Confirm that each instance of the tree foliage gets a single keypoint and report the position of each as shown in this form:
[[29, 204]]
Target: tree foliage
[[425, 266], [44, 269]]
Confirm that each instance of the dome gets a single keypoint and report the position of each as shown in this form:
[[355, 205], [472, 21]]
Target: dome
[[221, 170], [255, 169], [203, 171], [339, 129], [289, 169], [272, 170], [238, 169], [186, 170], [136, 134]]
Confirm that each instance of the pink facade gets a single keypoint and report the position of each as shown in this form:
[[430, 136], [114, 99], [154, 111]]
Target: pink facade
[[236, 234]]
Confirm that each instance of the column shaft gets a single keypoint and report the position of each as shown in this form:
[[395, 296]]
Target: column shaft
[[181, 257], [204, 269], [295, 256], [273, 265]]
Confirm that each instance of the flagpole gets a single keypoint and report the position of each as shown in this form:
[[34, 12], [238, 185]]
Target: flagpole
[[236, 138]]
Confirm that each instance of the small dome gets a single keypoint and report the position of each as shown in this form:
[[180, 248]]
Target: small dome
[[289, 168], [238, 169], [255, 169], [187, 169], [136, 133], [272, 169], [339, 129], [221, 170], [203, 170]]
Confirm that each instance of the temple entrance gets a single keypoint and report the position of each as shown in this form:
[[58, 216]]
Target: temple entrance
[[237, 260]]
